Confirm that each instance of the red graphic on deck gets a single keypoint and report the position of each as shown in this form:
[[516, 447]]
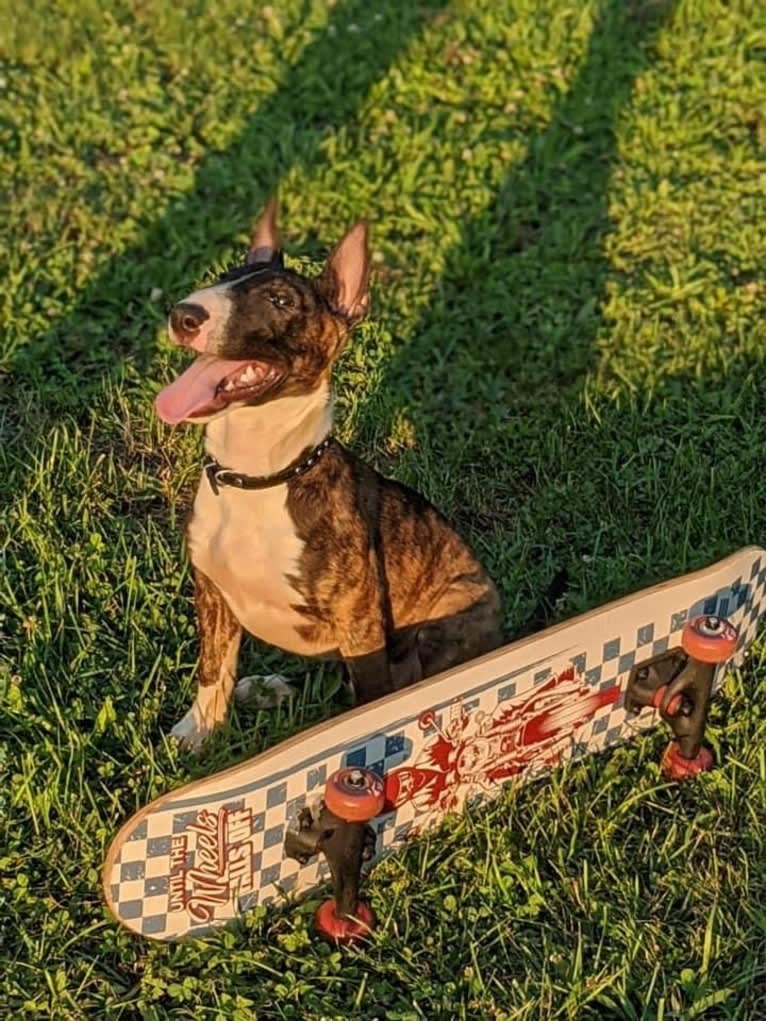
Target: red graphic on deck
[[478, 750]]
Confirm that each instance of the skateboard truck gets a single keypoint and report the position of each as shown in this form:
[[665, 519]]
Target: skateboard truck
[[341, 833], [679, 683]]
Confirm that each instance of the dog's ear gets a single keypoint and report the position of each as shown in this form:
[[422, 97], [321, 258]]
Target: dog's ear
[[345, 279], [265, 243]]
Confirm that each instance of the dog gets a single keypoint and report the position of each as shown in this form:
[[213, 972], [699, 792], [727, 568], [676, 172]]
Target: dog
[[293, 538]]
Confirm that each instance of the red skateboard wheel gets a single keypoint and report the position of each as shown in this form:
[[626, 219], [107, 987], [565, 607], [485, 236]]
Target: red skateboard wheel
[[674, 705], [355, 795], [675, 767], [344, 930], [709, 639]]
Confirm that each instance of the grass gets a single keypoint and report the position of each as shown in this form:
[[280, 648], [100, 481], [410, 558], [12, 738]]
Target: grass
[[566, 353]]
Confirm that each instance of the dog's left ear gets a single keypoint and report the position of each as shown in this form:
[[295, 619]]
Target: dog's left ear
[[266, 244], [345, 279]]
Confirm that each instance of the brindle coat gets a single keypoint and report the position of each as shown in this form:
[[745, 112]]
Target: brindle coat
[[338, 561]]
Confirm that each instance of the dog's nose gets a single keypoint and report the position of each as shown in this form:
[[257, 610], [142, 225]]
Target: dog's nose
[[186, 319]]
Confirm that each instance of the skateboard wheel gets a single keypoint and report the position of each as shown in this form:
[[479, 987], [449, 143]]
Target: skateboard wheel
[[709, 639], [355, 795], [675, 704], [344, 930], [675, 767]]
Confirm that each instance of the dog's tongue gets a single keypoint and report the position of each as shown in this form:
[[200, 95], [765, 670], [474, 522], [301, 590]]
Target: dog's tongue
[[194, 389]]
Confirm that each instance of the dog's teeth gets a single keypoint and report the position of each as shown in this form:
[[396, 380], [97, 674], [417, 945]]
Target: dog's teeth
[[248, 374], [230, 385]]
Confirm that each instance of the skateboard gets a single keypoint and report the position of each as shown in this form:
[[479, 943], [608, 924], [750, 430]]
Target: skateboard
[[328, 802]]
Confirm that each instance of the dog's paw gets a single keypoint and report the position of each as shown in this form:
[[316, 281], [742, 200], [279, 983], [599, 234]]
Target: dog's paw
[[264, 692], [192, 731]]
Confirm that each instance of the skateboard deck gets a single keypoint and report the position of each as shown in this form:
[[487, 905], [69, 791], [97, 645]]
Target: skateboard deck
[[198, 856]]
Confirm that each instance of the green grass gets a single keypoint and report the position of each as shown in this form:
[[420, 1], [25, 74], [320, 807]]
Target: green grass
[[566, 353]]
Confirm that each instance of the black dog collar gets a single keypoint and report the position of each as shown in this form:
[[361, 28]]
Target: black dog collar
[[218, 476]]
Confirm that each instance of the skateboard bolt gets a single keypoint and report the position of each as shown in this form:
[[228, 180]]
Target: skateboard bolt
[[712, 626]]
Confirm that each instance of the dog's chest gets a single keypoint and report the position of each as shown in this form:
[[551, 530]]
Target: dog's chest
[[245, 542]]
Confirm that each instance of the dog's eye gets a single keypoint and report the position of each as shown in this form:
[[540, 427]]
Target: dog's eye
[[280, 300]]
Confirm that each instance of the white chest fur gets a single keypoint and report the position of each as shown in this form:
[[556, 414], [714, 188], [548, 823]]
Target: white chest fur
[[244, 541]]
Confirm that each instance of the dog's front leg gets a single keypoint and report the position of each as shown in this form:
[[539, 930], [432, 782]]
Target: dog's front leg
[[220, 634]]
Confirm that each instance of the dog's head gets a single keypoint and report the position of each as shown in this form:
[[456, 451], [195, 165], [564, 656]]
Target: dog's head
[[263, 331]]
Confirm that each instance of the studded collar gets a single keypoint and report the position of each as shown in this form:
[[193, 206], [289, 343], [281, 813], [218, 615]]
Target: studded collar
[[219, 476]]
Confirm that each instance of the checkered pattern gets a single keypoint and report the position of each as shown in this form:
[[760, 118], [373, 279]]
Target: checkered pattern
[[164, 843]]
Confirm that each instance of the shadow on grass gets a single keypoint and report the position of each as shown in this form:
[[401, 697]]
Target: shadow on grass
[[523, 289], [494, 372], [113, 320]]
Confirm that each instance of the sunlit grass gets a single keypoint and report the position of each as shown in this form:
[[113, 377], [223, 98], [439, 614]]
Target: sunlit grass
[[565, 353]]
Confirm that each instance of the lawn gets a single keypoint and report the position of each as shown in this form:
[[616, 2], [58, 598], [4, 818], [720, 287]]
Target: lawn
[[565, 352]]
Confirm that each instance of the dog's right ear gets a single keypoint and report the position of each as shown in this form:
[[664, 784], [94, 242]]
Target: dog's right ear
[[265, 243], [345, 279]]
